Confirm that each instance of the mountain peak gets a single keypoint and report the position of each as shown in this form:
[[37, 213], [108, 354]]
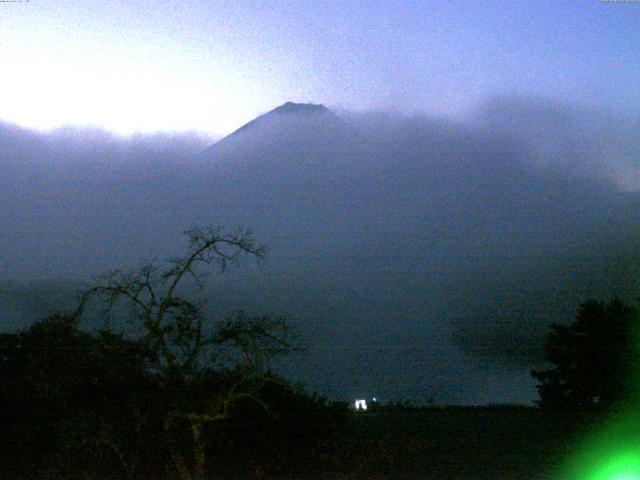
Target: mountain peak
[[307, 110], [300, 108], [310, 117]]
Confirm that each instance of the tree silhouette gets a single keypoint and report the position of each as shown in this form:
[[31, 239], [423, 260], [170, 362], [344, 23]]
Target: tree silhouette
[[184, 396], [160, 297], [172, 322], [595, 359]]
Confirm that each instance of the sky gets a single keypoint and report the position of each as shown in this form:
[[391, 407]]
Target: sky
[[212, 66]]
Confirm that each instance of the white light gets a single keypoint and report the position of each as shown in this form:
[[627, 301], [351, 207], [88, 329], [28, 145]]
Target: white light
[[361, 405]]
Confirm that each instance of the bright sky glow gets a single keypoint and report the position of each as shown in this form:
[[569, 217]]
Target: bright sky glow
[[135, 99], [213, 65], [122, 89]]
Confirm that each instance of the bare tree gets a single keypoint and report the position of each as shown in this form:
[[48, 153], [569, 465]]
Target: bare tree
[[174, 326], [171, 322]]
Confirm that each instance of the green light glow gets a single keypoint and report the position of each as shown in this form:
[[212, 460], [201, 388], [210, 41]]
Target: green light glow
[[625, 466], [610, 452]]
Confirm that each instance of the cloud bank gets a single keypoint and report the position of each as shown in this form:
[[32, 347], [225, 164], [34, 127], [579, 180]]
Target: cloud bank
[[421, 257]]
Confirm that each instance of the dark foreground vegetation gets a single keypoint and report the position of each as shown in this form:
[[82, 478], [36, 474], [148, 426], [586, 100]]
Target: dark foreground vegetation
[[76, 405], [184, 397], [181, 396]]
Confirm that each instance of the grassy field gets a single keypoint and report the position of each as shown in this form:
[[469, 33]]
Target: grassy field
[[455, 443]]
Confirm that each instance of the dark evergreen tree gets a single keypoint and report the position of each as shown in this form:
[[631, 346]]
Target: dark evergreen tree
[[595, 359]]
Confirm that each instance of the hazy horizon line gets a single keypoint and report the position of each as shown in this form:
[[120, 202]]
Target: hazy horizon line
[[464, 116]]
